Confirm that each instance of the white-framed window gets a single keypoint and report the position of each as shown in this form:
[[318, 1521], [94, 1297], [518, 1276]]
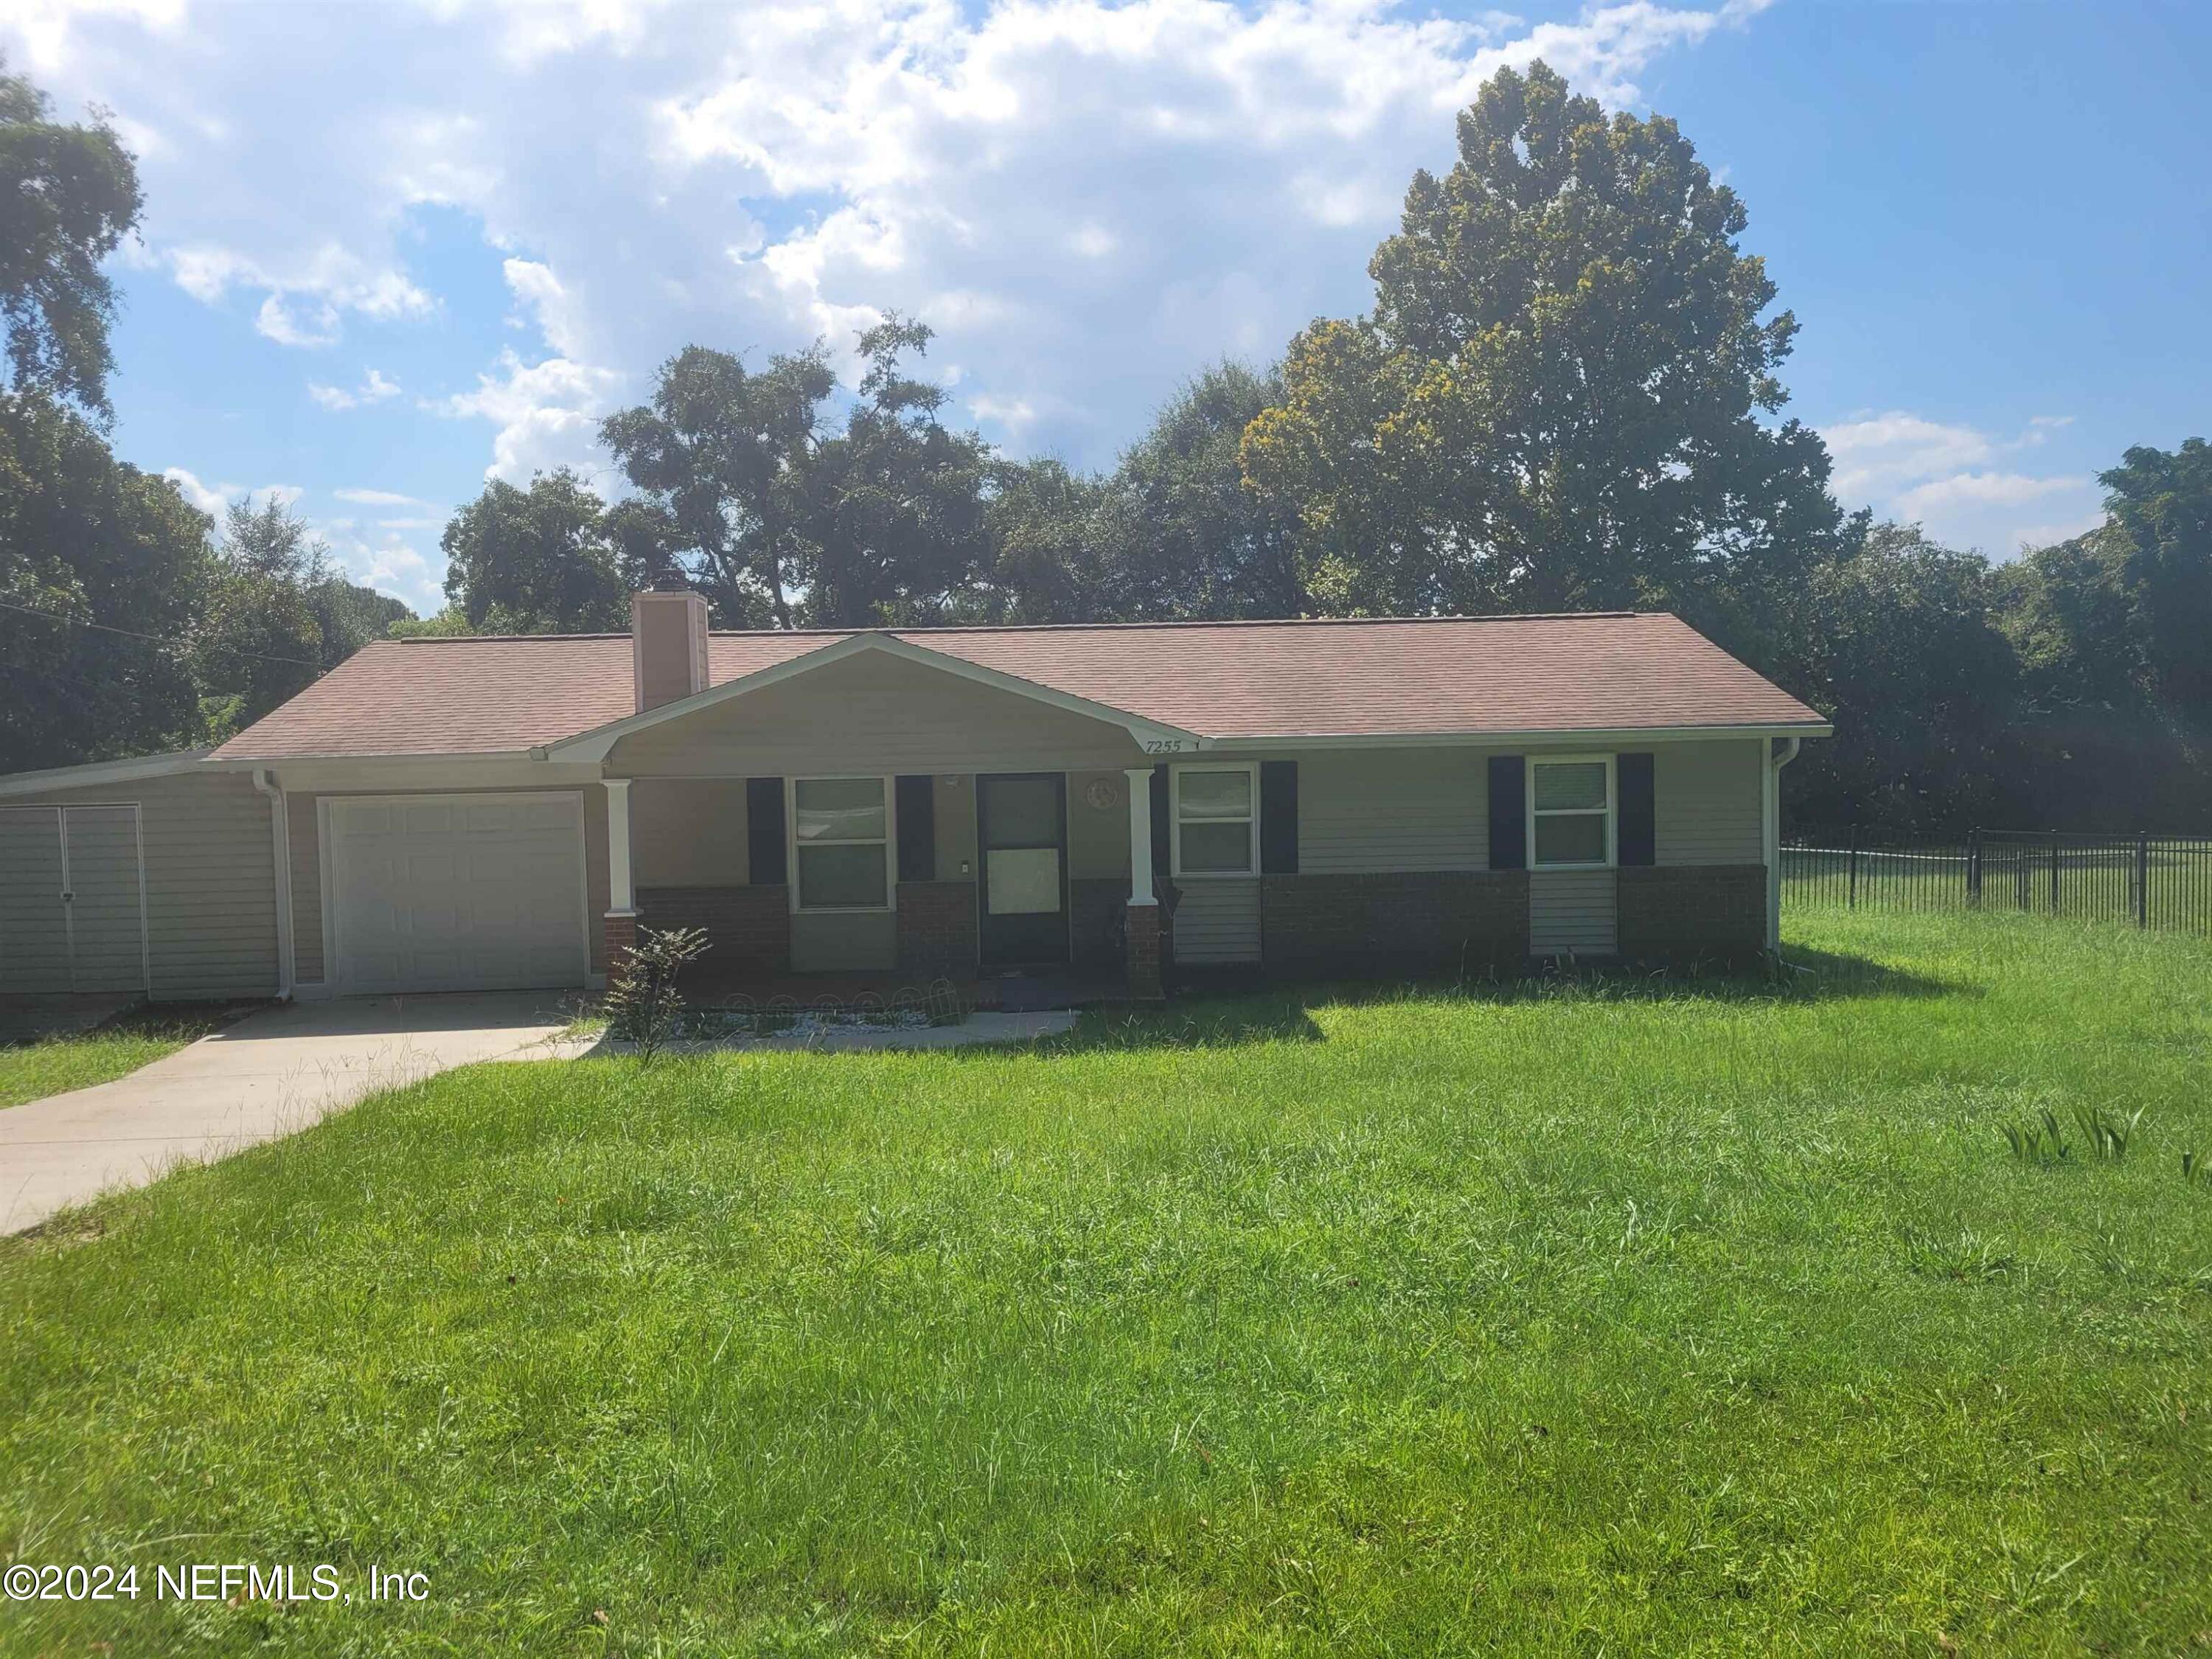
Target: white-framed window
[[1571, 812], [1213, 814], [841, 843]]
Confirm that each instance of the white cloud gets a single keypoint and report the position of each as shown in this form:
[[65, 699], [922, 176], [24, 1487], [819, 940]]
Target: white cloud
[[208, 500], [214, 498], [1939, 475], [547, 414], [373, 388], [305, 296], [378, 498], [1089, 200]]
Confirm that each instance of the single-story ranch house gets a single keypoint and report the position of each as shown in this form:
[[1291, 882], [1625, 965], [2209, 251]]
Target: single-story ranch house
[[1301, 798]]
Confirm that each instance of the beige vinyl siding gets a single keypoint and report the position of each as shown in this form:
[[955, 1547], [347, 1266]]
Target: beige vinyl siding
[[1572, 910], [872, 714], [1098, 836], [1706, 802], [1365, 811], [687, 832], [310, 967], [210, 887], [1218, 922], [34, 953]]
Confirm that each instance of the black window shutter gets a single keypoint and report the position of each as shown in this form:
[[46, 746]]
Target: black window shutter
[[1160, 866], [1639, 832], [1279, 817], [917, 827], [1509, 812], [764, 850]]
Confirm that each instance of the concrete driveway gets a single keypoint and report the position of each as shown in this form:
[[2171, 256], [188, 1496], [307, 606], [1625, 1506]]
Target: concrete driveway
[[272, 1074]]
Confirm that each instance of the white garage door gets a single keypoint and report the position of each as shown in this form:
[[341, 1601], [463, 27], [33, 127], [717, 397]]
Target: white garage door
[[458, 893]]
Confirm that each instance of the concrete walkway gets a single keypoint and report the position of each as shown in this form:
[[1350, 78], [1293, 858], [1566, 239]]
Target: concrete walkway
[[272, 1074]]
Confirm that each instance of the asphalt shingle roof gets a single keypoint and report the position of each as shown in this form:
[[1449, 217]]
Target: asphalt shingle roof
[[1409, 678]]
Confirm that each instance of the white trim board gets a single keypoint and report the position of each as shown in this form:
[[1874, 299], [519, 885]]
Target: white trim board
[[94, 773]]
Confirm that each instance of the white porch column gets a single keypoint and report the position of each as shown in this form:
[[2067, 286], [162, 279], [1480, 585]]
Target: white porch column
[[1140, 835], [622, 897]]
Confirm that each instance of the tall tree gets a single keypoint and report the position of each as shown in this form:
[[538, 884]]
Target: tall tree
[[1199, 541], [68, 196], [1897, 639], [725, 456], [2110, 629], [545, 559], [783, 517], [1561, 398], [893, 526], [103, 570], [257, 640]]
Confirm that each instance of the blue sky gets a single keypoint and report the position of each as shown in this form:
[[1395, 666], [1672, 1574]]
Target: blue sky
[[388, 250]]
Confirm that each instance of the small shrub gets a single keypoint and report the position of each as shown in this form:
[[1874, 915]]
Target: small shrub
[[2040, 1142], [2106, 1133], [642, 1005]]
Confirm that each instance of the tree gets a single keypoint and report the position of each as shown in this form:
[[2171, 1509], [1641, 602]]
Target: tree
[[1897, 639], [725, 457], [1560, 399], [1053, 546], [2110, 629], [545, 559], [258, 642], [892, 527], [782, 518], [68, 196], [1199, 541], [103, 570]]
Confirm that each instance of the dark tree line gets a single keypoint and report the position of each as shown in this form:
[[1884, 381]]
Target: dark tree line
[[1566, 395]]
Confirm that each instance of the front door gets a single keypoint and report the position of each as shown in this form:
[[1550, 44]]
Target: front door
[[1021, 824]]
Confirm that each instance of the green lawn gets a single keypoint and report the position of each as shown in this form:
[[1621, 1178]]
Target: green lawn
[[31, 1071], [1582, 1320]]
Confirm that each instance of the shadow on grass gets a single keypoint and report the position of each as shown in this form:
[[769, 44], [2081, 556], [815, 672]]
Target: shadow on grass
[[1218, 1010]]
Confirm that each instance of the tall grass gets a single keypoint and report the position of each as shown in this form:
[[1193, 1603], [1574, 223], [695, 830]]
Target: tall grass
[[1587, 1316]]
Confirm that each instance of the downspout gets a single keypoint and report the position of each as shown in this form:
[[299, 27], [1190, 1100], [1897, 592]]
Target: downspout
[[280, 851], [1771, 802]]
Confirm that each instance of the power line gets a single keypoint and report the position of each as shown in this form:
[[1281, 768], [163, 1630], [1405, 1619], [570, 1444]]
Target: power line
[[154, 639]]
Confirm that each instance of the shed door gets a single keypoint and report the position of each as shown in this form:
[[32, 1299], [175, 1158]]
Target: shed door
[[34, 920], [72, 912], [458, 893], [107, 911]]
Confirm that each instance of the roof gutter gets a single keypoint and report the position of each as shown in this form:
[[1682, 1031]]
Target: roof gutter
[[1794, 731]]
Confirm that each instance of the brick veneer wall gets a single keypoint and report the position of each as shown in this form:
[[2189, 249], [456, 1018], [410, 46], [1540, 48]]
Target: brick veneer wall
[[1141, 930], [937, 927], [748, 928], [1716, 910], [1418, 921], [621, 935]]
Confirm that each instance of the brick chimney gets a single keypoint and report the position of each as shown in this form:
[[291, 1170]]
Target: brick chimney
[[668, 642]]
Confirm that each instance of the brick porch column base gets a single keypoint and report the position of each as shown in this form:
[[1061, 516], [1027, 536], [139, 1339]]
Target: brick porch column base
[[1141, 927], [622, 939]]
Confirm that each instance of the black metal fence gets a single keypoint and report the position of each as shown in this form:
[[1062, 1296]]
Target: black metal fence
[[2147, 881]]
